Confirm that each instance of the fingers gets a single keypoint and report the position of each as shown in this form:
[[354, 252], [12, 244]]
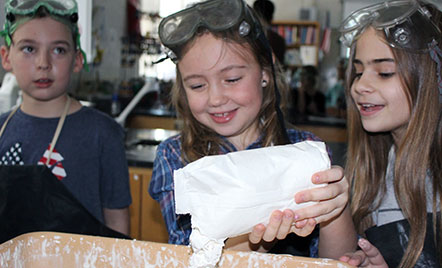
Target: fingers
[[324, 210], [304, 227], [285, 227], [273, 226], [326, 192], [369, 256], [332, 198], [257, 233], [373, 254], [334, 174], [280, 225], [355, 258]]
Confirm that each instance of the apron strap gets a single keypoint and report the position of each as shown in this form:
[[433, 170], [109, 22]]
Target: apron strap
[[57, 130], [7, 120]]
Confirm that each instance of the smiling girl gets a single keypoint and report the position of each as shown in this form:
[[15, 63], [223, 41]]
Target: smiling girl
[[394, 160], [228, 94]]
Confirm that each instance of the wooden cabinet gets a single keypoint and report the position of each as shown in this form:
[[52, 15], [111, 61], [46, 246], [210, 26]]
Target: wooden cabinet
[[302, 40], [146, 220], [150, 121]]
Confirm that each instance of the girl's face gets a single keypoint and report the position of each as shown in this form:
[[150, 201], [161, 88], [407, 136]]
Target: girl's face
[[223, 88], [42, 56], [377, 89]]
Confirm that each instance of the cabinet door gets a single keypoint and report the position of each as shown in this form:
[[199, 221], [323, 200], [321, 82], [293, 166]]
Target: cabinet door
[[152, 225]]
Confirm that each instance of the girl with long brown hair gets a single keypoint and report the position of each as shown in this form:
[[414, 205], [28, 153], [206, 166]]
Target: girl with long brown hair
[[228, 93], [394, 158]]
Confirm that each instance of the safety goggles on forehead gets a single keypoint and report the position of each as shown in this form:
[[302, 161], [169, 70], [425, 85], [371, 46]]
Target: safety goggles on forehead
[[215, 15], [25, 7], [66, 11], [406, 24]]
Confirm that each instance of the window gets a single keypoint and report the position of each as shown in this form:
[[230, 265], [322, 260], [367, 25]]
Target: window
[[149, 27]]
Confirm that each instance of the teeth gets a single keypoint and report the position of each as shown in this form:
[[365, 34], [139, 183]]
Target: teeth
[[221, 115], [368, 105]]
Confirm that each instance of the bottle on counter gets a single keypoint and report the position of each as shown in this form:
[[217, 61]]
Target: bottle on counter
[[115, 105]]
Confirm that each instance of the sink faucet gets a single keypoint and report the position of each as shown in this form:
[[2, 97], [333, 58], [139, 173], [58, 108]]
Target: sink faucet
[[151, 85]]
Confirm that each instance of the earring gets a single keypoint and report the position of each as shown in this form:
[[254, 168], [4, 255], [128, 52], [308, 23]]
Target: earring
[[264, 83]]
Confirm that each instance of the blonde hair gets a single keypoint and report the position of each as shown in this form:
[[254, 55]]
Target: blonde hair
[[198, 140], [419, 151]]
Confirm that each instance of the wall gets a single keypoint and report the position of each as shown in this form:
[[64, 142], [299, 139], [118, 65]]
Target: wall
[[109, 26]]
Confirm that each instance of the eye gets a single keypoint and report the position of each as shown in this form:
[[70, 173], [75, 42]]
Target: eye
[[27, 49], [195, 86], [387, 75], [233, 80], [59, 50]]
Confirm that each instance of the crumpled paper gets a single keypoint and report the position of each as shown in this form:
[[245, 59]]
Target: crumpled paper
[[227, 195]]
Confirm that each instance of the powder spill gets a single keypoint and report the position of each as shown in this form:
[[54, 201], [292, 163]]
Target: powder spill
[[206, 251]]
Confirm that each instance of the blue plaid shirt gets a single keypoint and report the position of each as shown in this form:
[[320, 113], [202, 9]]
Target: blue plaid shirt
[[168, 159]]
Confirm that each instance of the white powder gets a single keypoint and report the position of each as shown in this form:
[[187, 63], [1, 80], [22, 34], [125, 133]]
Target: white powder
[[206, 251]]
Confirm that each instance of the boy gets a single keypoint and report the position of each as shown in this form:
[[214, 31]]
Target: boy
[[86, 151]]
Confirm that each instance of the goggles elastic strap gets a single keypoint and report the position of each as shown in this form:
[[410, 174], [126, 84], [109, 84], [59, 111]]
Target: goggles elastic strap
[[436, 55]]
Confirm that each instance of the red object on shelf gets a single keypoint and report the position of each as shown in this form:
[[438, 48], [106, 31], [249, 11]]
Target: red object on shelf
[[133, 18]]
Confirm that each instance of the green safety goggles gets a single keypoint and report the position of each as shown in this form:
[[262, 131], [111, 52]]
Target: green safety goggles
[[65, 11], [58, 7]]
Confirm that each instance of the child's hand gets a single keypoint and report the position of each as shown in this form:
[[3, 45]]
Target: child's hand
[[369, 256], [280, 225], [331, 198]]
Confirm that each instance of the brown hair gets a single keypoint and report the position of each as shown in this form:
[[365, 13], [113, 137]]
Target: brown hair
[[198, 140], [418, 152]]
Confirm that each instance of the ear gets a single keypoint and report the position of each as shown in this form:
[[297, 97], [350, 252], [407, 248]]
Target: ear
[[6, 63], [265, 76], [78, 62]]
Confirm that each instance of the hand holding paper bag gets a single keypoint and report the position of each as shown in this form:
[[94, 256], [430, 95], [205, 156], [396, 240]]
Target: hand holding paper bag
[[227, 195]]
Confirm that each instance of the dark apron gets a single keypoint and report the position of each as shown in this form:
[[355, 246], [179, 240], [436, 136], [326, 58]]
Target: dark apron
[[392, 240], [33, 199]]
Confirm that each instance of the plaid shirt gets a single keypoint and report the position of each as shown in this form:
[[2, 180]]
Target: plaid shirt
[[161, 186]]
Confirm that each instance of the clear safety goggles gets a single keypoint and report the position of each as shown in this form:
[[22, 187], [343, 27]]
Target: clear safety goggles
[[215, 15], [406, 25]]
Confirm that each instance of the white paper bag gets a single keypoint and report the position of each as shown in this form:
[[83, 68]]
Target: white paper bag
[[227, 195]]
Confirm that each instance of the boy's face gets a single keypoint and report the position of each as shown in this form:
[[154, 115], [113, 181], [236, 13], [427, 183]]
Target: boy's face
[[42, 56]]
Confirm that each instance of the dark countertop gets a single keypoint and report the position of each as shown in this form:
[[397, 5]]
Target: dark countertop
[[142, 153], [325, 121], [141, 145], [161, 112]]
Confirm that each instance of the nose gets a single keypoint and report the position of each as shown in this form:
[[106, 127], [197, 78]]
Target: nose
[[363, 84], [217, 95], [43, 61]]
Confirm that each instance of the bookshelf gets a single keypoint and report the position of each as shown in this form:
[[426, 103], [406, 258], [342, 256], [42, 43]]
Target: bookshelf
[[302, 40]]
